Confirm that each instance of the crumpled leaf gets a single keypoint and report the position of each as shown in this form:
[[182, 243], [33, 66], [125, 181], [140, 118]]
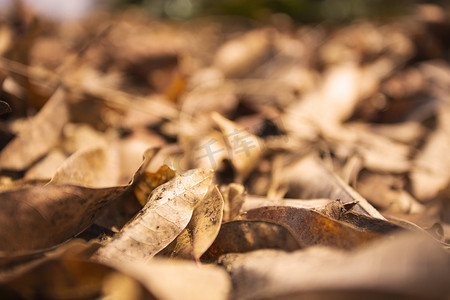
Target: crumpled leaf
[[312, 228], [343, 212], [39, 217], [202, 229], [162, 219], [244, 236], [38, 136], [409, 266], [150, 181]]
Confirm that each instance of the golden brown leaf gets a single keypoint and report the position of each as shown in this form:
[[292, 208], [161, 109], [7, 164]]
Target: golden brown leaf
[[202, 229], [162, 219], [313, 228]]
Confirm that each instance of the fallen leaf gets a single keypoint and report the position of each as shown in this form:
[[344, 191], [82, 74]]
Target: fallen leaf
[[40, 134], [39, 217], [150, 181], [201, 230], [245, 236], [244, 148], [408, 266], [162, 219], [312, 228], [71, 278], [309, 178], [234, 198], [44, 216], [89, 167], [177, 279]]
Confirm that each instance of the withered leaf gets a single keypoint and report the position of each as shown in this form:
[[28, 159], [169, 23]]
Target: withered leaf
[[313, 228], [244, 236], [234, 198], [244, 148], [150, 181], [202, 229], [89, 167], [179, 279], [343, 212], [40, 134], [43, 216], [408, 266], [162, 219], [309, 178], [39, 217], [71, 278]]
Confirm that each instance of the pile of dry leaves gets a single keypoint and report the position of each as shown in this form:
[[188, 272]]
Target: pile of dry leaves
[[224, 159]]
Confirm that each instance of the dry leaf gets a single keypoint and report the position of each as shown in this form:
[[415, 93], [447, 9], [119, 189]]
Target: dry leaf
[[244, 148], [39, 135], [44, 216], [244, 236], [176, 279], [309, 178], [236, 57], [407, 267], [312, 228], [71, 278], [150, 181], [162, 219], [89, 167], [234, 198], [430, 173], [252, 202], [202, 229]]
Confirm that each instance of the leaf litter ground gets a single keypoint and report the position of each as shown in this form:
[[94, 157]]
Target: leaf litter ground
[[224, 159]]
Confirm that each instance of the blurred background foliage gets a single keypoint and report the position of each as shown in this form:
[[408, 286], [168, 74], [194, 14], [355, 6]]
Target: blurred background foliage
[[302, 11]]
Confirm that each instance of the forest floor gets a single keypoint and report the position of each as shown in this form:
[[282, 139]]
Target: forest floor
[[223, 158]]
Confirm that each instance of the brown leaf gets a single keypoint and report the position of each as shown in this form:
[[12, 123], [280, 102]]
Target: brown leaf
[[40, 134], [177, 279], [408, 266], [202, 229], [162, 219], [43, 216], [252, 202], [72, 278], [234, 198], [244, 148], [343, 212], [89, 167], [150, 181], [39, 217], [313, 228], [244, 236], [309, 178]]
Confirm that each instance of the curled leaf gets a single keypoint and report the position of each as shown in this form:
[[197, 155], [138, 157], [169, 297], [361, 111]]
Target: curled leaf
[[244, 236], [201, 230], [313, 228], [162, 219]]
